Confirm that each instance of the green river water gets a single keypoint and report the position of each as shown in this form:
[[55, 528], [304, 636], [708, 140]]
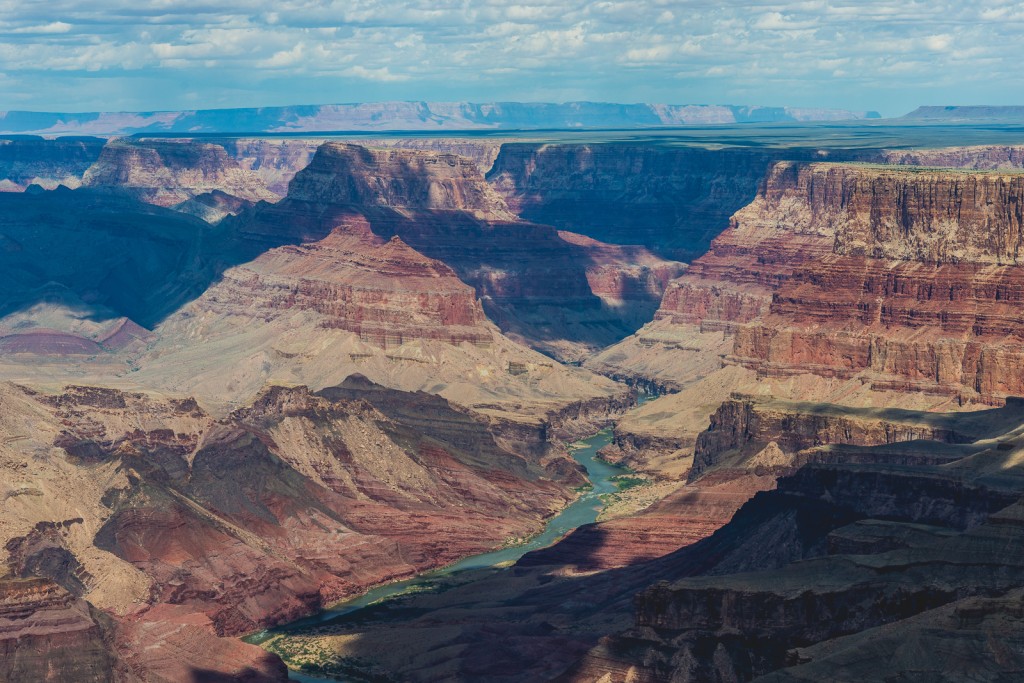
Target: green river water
[[584, 510]]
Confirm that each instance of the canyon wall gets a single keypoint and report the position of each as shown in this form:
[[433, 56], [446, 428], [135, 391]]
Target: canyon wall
[[133, 506], [535, 285], [169, 172], [672, 199], [907, 275], [855, 284], [32, 160], [856, 543]]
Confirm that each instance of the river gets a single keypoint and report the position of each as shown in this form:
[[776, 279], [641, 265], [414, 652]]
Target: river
[[584, 510]]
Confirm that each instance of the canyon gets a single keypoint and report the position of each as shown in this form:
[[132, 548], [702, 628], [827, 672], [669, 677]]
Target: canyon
[[245, 378]]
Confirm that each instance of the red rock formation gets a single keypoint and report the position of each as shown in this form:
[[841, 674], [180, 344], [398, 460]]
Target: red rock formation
[[353, 487], [852, 284], [532, 282], [46, 634], [911, 277], [383, 291]]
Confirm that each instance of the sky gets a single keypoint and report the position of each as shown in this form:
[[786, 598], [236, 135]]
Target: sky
[[138, 55]]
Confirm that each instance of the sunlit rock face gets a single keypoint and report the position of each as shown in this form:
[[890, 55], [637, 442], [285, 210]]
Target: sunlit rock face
[[847, 283], [562, 294], [135, 507]]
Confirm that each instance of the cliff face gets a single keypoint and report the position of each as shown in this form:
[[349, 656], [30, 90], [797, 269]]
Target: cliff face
[[673, 200], [869, 541], [910, 276], [855, 284], [135, 505], [776, 434], [46, 634], [168, 172], [1005, 157], [28, 161], [926, 216], [399, 179], [532, 283], [274, 161]]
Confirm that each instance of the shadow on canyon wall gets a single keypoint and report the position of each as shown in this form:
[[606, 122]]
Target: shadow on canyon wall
[[847, 526]]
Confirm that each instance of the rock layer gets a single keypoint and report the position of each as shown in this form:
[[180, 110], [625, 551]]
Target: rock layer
[[30, 160], [134, 504], [46, 634], [865, 538], [533, 283], [168, 172], [847, 283]]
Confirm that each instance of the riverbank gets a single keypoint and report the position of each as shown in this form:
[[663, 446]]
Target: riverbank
[[305, 661]]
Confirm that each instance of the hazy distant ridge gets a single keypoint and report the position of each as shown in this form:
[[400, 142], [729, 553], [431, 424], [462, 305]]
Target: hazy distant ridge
[[969, 113], [418, 116]]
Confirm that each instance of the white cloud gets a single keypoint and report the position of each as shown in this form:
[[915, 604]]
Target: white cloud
[[50, 28], [938, 43], [382, 74], [278, 51]]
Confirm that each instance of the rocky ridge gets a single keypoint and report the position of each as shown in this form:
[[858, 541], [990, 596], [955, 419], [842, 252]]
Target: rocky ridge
[[533, 283], [845, 283], [345, 489], [900, 518]]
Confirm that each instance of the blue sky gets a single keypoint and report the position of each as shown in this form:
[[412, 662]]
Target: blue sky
[[83, 55]]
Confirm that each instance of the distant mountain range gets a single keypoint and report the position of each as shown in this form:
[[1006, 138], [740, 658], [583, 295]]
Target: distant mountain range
[[409, 116], [969, 113]]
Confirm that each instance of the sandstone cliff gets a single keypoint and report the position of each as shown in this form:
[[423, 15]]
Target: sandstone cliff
[[846, 283]]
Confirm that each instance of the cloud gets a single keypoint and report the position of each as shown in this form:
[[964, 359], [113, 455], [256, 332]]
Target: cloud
[[382, 74], [884, 54], [938, 43], [52, 27]]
